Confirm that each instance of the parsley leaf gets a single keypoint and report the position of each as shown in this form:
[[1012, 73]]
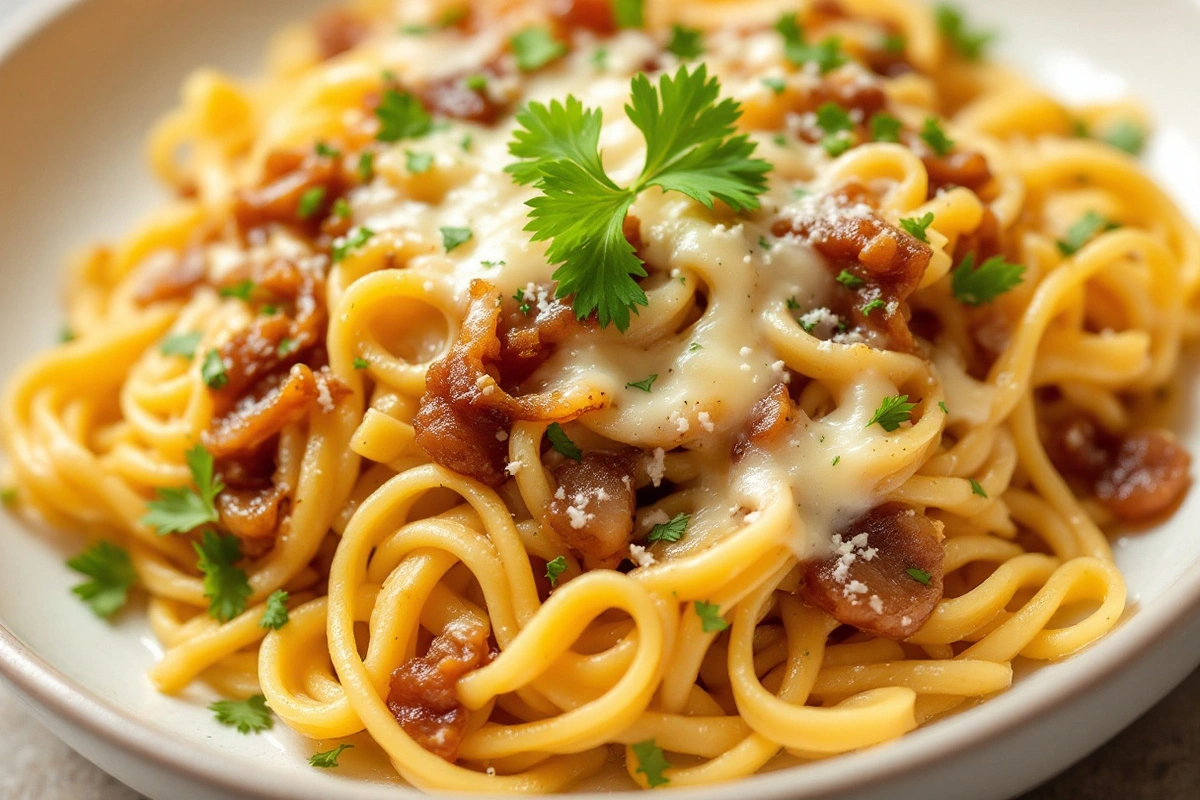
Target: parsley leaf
[[225, 585], [213, 370], [1126, 135], [671, 531], [329, 758], [181, 344], [845, 278], [325, 151], [241, 290], [827, 55], [180, 509], [360, 363], [977, 488], [477, 82], [933, 135], [836, 123], [983, 284], [1086, 228], [969, 44], [366, 166], [65, 335], [942, 406], [455, 237], [276, 614], [894, 43], [872, 305], [555, 567], [884, 128], [416, 163], [343, 245], [916, 226], [310, 202], [561, 443], [710, 617], [892, 412], [688, 43], [690, 148], [644, 384], [651, 763], [401, 116], [918, 575], [111, 573], [534, 48], [776, 85], [629, 13], [246, 715]]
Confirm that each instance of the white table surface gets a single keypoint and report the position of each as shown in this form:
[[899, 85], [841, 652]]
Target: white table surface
[[1157, 758]]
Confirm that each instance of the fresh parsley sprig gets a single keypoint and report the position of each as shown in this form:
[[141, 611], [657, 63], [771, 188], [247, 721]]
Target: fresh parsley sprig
[[226, 586], [670, 531], [892, 412], [249, 715], [651, 762], [561, 443], [179, 509], [111, 572], [690, 148], [983, 284]]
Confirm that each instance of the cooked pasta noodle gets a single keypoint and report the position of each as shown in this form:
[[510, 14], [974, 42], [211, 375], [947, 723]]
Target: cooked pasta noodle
[[846, 464]]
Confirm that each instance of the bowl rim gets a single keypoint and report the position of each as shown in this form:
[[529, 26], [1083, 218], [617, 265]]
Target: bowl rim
[[39, 681]]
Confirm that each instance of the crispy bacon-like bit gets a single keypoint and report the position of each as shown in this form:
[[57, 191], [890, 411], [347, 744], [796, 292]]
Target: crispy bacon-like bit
[[866, 582], [592, 510], [253, 516], [171, 279], [287, 175], [1138, 476], [769, 419], [966, 168], [889, 261], [451, 97], [528, 338], [263, 413], [465, 403], [422, 694], [592, 15], [338, 30]]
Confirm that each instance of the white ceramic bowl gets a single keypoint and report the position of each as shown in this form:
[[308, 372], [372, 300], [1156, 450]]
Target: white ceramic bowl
[[80, 83]]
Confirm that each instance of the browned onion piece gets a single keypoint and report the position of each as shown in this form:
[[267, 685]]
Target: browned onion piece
[[592, 511]]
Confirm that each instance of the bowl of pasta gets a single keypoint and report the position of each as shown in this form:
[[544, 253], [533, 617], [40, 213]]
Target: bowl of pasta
[[578, 396]]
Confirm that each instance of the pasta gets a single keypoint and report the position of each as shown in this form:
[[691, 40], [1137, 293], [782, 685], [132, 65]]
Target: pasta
[[892, 339]]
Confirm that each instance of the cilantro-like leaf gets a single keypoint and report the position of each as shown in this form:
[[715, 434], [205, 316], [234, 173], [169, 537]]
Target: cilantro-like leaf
[[344, 245], [977, 487], [1082, 231], [555, 567], [455, 237], [983, 284], [561, 443], [213, 370], [969, 44], [776, 85], [360, 363], [629, 13], [323, 150], [65, 334], [670, 531], [401, 116], [916, 226], [651, 763], [534, 48], [416, 162], [561, 130], [179, 509], [918, 575], [933, 135], [477, 82], [848, 279], [893, 411], [241, 290], [827, 54], [942, 406], [329, 758], [366, 166], [310, 202], [711, 620], [181, 344], [872, 305], [225, 585], [249, 715], [884, 128], [276, 614], [644, 384], [1126, 135], [687, 43], [836, 123], [111, 572], [341, 208]]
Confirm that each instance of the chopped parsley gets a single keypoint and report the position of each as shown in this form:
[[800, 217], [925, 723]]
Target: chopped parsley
[[671, 531], [694, 347], [213, 370], [241, 290], [942, 406], [401, 116], [916, 227], [967, 43], [181, 344], [776, 85], [836, 123], [310, 202], [1086, 228], [794, 305], [524, 306], [688, 43], [490, 264], [644, 384], [600, 59], [179, 509], [555, 567], [894, 43], [325, 151], [111, 572], [691, 147], [933, 135], [534, 48], [763, 243], [884, 128], [872, 305], [366, 166], [341, 209], [1126, 135], [249, 715], [416, 163], [629, 13], [651, 763], [455, 237], [477, 82], [893, 411], [845, 278], [835, 461], [329, 758], [711, 620], [344, 245], [360, 363], [225, 585], [65, 334], [561, 443], [983, 284], [977, 488], [918, 575], [827, 55], [276, 614], [9, 497]]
